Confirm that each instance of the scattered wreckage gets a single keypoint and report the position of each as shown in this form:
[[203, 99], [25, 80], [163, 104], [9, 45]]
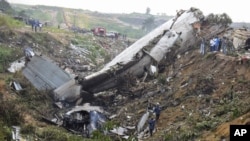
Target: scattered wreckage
[[241, 39], [84, 119], [137, 61]]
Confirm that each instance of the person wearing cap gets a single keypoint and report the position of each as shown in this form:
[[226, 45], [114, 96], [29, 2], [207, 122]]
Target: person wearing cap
[[157, 111]]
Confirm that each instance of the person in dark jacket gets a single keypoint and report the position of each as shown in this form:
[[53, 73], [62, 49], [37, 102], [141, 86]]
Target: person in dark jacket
[[157, 111], [151, 124]]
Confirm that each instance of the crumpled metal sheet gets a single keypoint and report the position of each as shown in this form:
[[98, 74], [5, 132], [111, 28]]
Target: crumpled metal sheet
[[149, 49], [86, 107], [44, 74], [68, 92]]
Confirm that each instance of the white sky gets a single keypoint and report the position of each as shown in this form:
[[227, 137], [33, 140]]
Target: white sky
[[238, 10]]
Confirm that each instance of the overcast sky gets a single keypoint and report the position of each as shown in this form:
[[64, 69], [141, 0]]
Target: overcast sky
[[238, 10]]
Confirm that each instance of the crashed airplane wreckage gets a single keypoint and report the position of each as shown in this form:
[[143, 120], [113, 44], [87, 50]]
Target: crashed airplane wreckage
[[136, 61], [180, 31]]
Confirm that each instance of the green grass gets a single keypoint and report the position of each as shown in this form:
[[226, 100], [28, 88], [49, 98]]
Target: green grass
[[85, 19], [87, 43], [110, 25], [9, 22], [5, 54], [55, 30], [39, 14], [5, 132]]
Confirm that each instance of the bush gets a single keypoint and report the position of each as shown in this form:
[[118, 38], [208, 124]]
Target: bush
[[5, 133], [204, 125], [98, 136], [57, 134], [28, 129], [10, 113]]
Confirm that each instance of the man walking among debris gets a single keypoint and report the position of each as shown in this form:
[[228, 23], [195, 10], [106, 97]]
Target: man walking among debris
[[151, 124], [157, 111]]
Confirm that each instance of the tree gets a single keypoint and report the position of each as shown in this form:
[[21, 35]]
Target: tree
[[223, 19], [148, 11], [5, 7]]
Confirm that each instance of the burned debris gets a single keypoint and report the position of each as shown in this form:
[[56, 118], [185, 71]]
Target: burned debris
[[82, 120]]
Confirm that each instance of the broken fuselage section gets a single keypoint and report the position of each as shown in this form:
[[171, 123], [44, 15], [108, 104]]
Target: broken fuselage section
[[137, 59]]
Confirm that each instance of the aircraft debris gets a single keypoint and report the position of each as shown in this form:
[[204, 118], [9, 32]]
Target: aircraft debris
[[16, 133], [84, 119], [147, 51], [17, 65], [44, 74], [16, 85]]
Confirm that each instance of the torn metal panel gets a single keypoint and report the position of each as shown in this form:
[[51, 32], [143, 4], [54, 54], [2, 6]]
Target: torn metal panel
[[68, 92], [119, 131], [16, 85], [85, 107], [29, 52], [110, 78], [239, 37], [182, 23], [84, 119], [142, 122], [44, 74], [148, 50], [16, 133]]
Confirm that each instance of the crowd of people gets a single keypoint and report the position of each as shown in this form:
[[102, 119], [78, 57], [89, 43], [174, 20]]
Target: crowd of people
[[216, 44], [35, 24]]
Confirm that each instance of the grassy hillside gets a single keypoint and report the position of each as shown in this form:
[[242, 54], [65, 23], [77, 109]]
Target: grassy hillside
[[130, 24]]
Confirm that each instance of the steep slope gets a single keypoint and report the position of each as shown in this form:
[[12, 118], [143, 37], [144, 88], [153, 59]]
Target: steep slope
[[203, 96]]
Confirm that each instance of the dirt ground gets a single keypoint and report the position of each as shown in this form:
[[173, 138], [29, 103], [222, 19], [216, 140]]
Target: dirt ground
[[203, 97]]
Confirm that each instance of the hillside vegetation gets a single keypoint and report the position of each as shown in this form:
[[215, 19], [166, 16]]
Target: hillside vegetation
[[130, 24]]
